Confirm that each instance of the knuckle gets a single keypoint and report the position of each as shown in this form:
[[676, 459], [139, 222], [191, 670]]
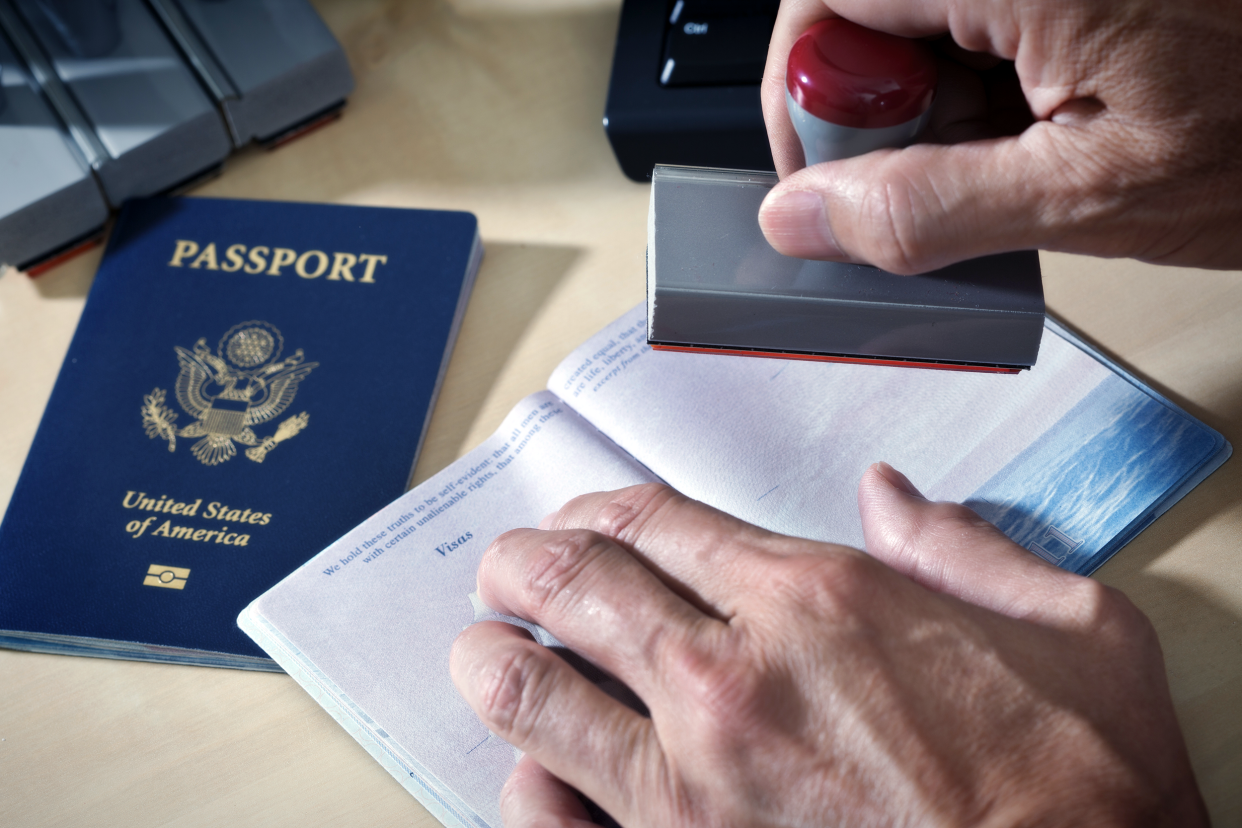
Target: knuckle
[[830, 586], [727, 693], [514, 692], [626, 511], [559, 566], [1085, 602], [893, 232], [1107, 614]]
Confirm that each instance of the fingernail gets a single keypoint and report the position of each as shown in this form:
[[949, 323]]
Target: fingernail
[[548, 522], [898, 480], [796, 225]]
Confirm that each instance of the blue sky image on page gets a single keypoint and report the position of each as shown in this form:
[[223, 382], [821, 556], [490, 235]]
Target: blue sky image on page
[[1071, 496]]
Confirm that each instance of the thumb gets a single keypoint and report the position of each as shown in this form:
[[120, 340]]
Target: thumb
[[926, 206], [948, 548]]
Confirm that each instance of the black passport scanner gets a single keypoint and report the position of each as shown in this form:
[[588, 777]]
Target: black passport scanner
[[685, 85]]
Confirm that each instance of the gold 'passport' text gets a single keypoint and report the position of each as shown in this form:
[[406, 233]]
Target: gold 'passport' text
[[311, 264]]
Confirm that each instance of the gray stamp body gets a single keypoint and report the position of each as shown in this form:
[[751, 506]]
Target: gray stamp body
[[715, 284]]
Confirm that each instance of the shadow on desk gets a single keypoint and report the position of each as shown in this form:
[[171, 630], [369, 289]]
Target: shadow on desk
[[1200, 639], [1199, 632]]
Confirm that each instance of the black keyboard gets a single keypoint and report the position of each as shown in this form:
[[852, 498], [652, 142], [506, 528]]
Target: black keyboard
[[685, 85]]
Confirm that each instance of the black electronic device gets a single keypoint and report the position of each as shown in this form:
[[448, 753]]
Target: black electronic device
[[113, 75], [112, 99], [49, 201], [685, 85], [272, 66]]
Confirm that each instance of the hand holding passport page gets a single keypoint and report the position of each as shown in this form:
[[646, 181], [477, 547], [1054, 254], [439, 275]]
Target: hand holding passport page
[[1070, 459]]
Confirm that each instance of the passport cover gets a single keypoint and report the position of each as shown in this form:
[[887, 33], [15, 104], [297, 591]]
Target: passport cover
[[248, 381]]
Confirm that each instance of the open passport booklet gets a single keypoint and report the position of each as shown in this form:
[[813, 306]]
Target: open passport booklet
[[1071, 459]]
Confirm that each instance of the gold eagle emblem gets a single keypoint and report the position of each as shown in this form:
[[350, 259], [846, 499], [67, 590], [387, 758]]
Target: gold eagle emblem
[[244, 383]]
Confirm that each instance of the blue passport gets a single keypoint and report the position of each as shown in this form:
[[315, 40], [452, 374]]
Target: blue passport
[[249, 380]]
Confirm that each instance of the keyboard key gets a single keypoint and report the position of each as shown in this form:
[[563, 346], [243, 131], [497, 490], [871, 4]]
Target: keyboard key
[[716, 50]]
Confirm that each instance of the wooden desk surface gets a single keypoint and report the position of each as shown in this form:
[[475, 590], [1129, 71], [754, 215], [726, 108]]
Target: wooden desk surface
[[494, 106]]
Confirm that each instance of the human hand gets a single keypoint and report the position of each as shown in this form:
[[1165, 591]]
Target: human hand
[[1133, 151], [949, 678]]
